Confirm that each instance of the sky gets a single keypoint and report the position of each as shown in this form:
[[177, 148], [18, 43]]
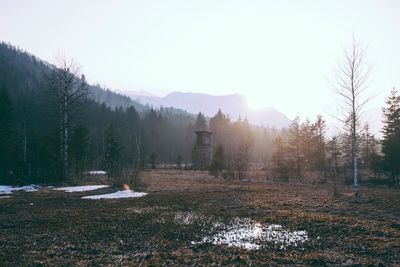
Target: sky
[[276, 53]]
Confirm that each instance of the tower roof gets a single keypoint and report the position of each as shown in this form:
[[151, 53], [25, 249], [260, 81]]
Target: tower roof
[[203, 131]]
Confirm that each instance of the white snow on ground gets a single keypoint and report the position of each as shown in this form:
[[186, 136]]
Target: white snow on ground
[[71, 189], [118, 194], [7, 189], [96, 172]]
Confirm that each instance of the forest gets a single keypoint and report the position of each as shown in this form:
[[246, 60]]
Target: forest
[[56, 127]]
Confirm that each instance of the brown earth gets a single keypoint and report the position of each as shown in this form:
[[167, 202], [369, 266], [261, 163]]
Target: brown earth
[[52, 228]]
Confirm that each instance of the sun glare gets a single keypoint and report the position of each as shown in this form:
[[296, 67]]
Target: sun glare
[[126, 187], [256, 102]]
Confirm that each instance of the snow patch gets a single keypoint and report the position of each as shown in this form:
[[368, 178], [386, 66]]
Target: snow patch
[[118, 194], [83, 188], [7, 189], [96, 172]]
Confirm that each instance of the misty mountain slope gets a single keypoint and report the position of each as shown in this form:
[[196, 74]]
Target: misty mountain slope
[[102, 120], [24, 72], [234, 105]]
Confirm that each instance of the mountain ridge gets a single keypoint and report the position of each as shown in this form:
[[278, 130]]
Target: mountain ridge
[[234, 105]]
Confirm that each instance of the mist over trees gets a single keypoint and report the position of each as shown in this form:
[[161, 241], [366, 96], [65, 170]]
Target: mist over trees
[[32, 136], [55, 128]]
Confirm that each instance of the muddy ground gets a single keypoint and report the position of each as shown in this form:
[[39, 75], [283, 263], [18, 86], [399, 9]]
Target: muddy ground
[[169, 225]]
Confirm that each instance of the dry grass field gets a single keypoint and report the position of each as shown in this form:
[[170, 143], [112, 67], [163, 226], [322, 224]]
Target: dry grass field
[[191, 218]]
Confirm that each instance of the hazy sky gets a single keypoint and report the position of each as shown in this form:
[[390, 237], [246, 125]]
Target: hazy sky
[[277, 53]]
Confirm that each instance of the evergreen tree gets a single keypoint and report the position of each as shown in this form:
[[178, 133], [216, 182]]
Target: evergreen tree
[[368, 149], [280, 160], [295, 147], [391, 135], [179, 159], [319, 145], [200, 124], [245, 142], [217, 164], [333, 156], [152, 159], [112, 154], [7, 137], [79, 149]]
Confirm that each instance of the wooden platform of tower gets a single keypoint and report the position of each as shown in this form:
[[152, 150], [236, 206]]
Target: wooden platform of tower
[[202, 151]]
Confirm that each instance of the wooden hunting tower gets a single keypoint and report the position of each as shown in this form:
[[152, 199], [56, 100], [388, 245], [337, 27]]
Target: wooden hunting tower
[[202, 150]]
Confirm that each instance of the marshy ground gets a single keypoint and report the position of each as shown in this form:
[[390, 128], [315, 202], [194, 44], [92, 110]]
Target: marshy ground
[[191, 218]]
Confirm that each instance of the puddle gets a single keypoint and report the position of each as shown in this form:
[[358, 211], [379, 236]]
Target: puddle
[[249, 234]]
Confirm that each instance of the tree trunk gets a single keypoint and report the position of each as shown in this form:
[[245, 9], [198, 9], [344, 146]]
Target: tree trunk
[[134, 175], [65, 137], [354, 144]]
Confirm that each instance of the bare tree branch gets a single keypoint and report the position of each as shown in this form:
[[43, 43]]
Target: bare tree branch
[[352, 75]]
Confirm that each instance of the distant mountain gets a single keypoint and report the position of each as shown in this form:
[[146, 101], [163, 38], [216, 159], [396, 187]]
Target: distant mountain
[[133, 93], [234, 105], [23, 72]]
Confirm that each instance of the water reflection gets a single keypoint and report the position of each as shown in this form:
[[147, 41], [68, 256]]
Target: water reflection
[[249, 234]]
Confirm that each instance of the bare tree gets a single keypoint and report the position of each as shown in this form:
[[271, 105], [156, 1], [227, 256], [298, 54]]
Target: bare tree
[[351, 78], [67, 86]]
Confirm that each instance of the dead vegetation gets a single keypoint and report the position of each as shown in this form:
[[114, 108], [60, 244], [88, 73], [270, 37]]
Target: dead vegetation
[[165, 227]]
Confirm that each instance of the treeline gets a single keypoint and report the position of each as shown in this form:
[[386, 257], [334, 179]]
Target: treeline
[[52, 128], [31, 147], [304, 152], [55, 127], [237, 144]]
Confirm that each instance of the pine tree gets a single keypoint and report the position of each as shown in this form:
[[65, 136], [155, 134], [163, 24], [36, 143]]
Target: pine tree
[[333, 155], [217, 164], [152, 159], [368, 148], [79, 149], [112, 154], [200, 124], [245, 142], [295, 147], [7, 135], [219, 126], [319, 156], [391, 135], [280, 160]]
